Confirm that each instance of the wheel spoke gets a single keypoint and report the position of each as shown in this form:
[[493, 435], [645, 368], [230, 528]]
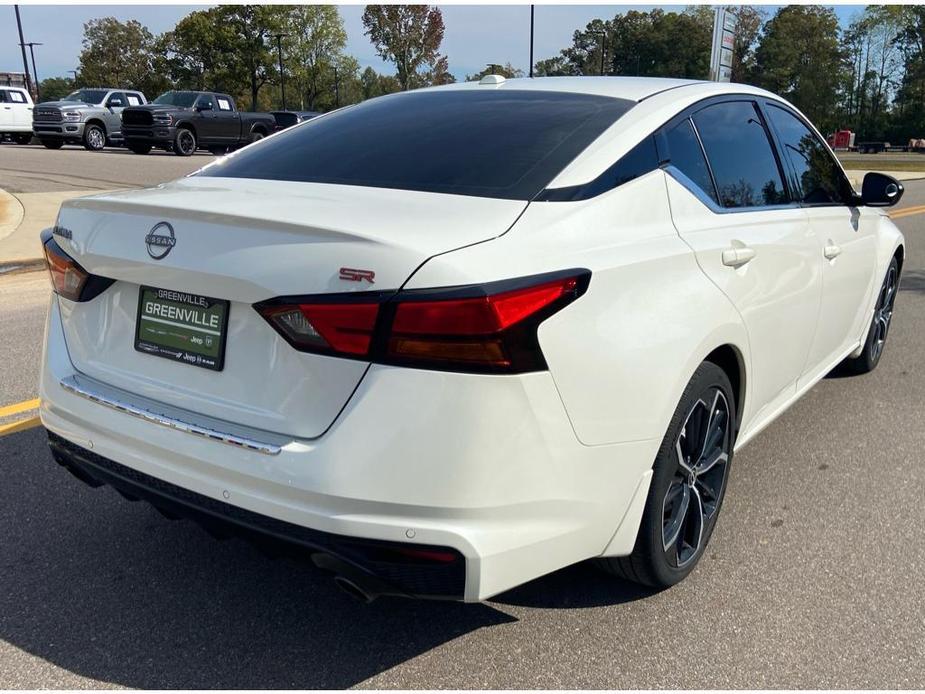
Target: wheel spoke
[[677, 502], [692, 529]]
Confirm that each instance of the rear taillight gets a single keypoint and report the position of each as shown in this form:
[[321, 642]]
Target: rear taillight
[[490, 328], [68, 279]]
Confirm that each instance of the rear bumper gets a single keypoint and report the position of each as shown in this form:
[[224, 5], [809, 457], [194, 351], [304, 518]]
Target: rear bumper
[[486, 466]]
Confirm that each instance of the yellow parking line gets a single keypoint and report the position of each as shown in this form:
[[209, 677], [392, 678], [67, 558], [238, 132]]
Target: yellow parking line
[[18, 407], [907, 212], [21, 425]]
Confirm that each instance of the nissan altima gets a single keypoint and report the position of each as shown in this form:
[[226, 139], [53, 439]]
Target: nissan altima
[[446, 341]]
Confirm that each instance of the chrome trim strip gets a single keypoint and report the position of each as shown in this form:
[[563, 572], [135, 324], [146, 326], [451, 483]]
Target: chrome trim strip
[[72, 386]]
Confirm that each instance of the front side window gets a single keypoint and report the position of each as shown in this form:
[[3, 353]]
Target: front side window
[[495, 143], [686, 155], [740, 155], [819, 178], [204, 101], [4, 96], [116, 99], [87, 96]]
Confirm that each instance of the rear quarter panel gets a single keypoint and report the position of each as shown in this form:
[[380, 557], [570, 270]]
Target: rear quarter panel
[[622, 354]]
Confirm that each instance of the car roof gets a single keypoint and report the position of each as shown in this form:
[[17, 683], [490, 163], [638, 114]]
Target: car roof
[[629, 88]]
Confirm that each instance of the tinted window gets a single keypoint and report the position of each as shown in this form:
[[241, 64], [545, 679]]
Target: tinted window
[[740, 155], [492, 143], [686, 155], [116, 96], [4, 98], [819, 179], [205, 100]]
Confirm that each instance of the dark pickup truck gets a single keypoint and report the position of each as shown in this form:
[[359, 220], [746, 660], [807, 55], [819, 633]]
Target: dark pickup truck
[[187, 121]]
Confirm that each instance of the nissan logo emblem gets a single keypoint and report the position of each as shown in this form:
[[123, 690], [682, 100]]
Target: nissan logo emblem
[[160, 240]]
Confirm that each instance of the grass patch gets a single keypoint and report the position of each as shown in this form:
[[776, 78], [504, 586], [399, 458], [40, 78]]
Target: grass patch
[[883, 165]]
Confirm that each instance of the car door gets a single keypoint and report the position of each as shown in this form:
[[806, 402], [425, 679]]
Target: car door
[[22, 109], [207, 125], [730, 203], [6, 109], [845, 236], [229, 120], [115, 103]]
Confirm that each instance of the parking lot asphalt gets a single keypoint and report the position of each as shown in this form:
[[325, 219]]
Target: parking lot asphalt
[[812, 578]]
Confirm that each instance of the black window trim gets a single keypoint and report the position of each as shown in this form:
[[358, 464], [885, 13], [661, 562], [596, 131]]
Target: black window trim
[[593, 188], [765, 104]]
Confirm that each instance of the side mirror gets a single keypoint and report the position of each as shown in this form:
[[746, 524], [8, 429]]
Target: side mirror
[[880, 190], [204, 107]]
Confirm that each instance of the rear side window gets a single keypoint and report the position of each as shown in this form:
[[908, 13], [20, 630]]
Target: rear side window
[[493, 143], [819, 179], [223, 104], [132, 99], [740, 155], [17, 97], [686, 155]]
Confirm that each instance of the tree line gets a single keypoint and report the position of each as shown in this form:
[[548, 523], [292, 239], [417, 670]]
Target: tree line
[[868, 77]]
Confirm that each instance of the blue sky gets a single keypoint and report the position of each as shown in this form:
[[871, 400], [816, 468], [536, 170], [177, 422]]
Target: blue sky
[[475, 34]]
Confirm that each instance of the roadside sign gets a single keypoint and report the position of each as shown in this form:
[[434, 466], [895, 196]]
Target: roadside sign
[[721, 55]]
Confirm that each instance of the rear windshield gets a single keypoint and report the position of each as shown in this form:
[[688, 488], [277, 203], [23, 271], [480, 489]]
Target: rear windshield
[[492, 143], [179, 99], [87, 96]]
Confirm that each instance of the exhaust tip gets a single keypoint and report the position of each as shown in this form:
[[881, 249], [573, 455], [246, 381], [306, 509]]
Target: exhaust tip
[[353, 590]]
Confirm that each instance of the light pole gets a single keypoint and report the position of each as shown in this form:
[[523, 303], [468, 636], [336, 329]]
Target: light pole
[[75, 78], [531, 40], [282, 80], [22, 46], [35, 73], [336, 90], [603, 35]]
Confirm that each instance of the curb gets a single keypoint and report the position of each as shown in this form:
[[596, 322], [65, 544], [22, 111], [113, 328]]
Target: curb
[[16, 267], [11, 214]]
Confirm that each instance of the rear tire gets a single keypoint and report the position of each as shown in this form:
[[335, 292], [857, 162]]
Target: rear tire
[[256, 136], [879, 327], [53, 144], [184, 143], [688, 484], [94, 138], [138, 147], [218, 151]]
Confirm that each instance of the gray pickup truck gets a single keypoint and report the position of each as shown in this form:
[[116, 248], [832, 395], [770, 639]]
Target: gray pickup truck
[[88, 117]]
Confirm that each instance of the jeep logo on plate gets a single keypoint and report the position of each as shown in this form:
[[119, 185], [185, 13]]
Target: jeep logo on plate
[[160, 240]]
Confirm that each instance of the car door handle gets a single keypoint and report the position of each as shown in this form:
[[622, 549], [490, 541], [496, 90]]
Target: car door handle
[[831, 250], [737, 257]]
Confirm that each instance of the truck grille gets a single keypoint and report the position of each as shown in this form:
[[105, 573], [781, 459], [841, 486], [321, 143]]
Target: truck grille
[[136, 117], [47, 115]]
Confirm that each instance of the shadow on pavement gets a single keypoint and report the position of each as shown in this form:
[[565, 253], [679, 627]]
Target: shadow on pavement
[[110, 590], [912, 281]]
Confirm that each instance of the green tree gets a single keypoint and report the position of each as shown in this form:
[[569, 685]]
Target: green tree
[[507, 70], [373, 84], [799, 57], [195, 53], [409, 36], [117, 54], [313, 48], [749, 20], [909, 119], [53, 88]]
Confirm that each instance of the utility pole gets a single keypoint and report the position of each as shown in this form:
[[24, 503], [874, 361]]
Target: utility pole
[[35, 73], [531, 40], [22, 46], [282, 79], [75, 78], [336, 90], [603, 35]]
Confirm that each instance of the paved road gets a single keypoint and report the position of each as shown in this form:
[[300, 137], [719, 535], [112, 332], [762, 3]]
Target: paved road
[[34, 169], [813, 578]]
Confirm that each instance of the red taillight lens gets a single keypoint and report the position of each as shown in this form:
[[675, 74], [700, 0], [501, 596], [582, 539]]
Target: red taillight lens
[[474, 330], [488, 328], [67, 277], [341, 328]]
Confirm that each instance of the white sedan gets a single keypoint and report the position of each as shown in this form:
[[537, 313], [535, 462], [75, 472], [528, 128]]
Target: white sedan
[[450, 340]]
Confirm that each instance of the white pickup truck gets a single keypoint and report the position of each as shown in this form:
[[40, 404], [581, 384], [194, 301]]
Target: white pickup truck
[[16, 114]]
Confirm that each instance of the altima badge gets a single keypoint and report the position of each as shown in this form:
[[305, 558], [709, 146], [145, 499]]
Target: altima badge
[[160, 240]]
